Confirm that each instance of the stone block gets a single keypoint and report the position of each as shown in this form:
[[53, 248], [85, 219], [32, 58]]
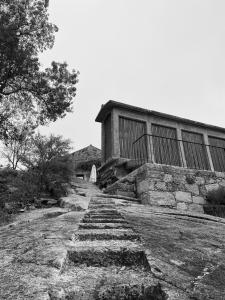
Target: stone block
[[211, 187], [199, 180], [161, 199], [198, 200], [222, 182], [220, 174], [192, 188], [179, 178], [202, 190], [168, 178], [182, 206], [160, 186], [144, 197], [145, 186], [196, 208], [183, 197], [155, 174], [211, 180]]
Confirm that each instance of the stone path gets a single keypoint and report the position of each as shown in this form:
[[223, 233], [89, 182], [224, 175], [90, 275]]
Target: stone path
[[105, 245], [100, 247]]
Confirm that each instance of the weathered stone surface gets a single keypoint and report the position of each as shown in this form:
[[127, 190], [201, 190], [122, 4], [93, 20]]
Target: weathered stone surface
[[211, 180], [106, 234], [175, 180], [74, 202], [220, 174], [160, 198], [222, 182], [193, 188], [210, 187], [196, 208], [161, 186], [199, 180], [103, 225], [182, 206], [145, 186], [107, 253], [168, 178], [183, 197], [198, 200], [186, 251]]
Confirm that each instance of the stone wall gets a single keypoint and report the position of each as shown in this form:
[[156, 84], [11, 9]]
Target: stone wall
[[174, 187]]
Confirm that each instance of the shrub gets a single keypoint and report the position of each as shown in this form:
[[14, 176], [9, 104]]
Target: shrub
[[20, 191], [217, 196]]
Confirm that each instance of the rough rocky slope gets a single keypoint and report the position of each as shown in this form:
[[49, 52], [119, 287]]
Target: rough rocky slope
[[115, 249]]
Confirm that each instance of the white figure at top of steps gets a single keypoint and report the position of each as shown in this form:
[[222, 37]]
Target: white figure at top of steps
[[93, 175]]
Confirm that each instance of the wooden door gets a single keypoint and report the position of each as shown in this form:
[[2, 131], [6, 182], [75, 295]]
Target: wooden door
[[165, 145], [129, 131], [217, 150], [195, 150]]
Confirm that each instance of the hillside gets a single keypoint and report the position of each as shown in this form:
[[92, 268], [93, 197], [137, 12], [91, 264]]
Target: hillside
[[185, 252]]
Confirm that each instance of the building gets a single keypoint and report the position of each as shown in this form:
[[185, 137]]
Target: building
[[142, 135], [84, 159]]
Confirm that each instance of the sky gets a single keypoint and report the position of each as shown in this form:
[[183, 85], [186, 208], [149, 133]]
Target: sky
[[163, 55]]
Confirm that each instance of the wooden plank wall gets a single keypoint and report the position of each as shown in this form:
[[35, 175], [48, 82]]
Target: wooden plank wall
[[217, 154], [165, 145], [195, 154], [129, 131]]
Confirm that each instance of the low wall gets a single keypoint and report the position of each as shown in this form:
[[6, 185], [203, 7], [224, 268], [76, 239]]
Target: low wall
[[175, 187]]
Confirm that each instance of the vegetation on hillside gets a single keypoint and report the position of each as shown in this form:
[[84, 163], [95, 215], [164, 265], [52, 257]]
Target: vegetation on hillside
[[31, 96], [48, 169]]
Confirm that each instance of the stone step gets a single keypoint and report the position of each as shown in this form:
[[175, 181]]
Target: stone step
[[118, 285], [101, 206], [106, 234], [103, 216], [102, 210], [102, 201], [132, 286], [108, 196], [103, 225], [108, 253], [103, 220]]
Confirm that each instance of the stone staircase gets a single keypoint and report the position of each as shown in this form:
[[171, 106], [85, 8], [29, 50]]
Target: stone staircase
[[106, 244]]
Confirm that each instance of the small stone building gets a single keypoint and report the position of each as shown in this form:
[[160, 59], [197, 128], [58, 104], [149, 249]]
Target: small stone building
[[135, 133], [161, 159], [84, 159]]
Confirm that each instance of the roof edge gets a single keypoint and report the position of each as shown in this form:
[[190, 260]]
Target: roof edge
[[107, 107]]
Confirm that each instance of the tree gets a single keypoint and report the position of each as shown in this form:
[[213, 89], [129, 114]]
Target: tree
[[44, 149], [48, 156], [24, 32]]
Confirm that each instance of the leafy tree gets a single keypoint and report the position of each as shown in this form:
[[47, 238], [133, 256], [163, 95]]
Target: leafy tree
[[48, 156], [21, 123], [24, 32], [44, 149]]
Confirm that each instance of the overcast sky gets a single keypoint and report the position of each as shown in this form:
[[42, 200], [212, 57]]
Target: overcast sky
[[164, 55]]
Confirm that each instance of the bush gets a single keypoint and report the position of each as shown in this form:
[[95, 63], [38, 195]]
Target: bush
[[19, 190], [217, 196]]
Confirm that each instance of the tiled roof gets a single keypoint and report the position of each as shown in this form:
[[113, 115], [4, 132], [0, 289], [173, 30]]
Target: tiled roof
[[88, 153]]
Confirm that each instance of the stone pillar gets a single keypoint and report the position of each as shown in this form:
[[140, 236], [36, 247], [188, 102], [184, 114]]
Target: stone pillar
[[151, 157], [115, 134], [181, 147], [206, 142], [103, 143]]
